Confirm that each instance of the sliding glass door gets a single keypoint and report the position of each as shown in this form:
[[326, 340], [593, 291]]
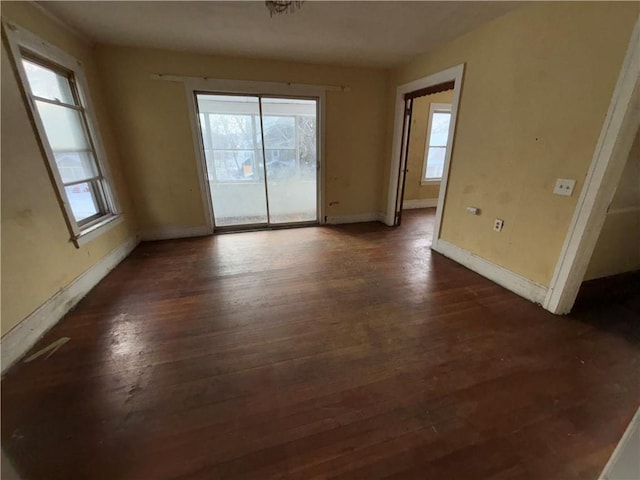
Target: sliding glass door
[[261, 158]]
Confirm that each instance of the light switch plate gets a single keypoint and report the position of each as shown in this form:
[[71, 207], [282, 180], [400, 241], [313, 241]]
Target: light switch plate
[[473, 210], [564, 186]]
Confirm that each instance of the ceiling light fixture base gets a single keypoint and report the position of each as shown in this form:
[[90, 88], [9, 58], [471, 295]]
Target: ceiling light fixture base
[[282, 6]]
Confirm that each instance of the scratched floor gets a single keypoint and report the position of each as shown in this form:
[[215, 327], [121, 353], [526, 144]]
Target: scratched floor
[[348, 352]]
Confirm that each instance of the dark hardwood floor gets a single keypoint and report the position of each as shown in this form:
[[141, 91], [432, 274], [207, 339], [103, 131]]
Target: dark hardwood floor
[[349, 352]]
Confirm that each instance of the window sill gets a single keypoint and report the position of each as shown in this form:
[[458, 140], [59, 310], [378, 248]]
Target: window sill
[[97, 229], [435, 181]]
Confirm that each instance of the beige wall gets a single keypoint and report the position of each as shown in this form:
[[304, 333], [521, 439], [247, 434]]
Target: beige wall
[[618, 247], [537, 85], [38, 258], [154, 129], [413, 189], [536, 88]]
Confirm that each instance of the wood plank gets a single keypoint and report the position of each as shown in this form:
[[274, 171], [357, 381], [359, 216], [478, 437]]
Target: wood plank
[[328, 352]]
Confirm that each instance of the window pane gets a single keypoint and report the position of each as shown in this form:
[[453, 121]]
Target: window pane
[[64, 128], [435, 162], [231, 131], [307, 146], [281, 164], [206, 138], [82, 199], [234, 162], [290, 159], [231, 165], [47, 83], [439, 129], [279, 132], [75, 166]]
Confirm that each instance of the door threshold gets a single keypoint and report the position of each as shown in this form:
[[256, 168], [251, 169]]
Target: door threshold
[[263, 227]]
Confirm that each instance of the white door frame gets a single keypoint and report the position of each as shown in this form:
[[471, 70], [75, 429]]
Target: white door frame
[[609, 158], [223, 86], [456, 74]]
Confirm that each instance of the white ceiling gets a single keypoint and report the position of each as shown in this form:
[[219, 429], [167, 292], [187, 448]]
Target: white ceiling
[[377, 34]]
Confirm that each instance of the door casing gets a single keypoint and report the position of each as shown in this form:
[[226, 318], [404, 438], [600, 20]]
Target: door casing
[[454, 74]]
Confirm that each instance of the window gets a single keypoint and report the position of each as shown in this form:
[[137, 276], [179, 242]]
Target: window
[[57, 97], [233, 146], [436, 144]]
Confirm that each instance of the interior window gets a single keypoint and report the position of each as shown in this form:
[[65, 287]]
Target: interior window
[[437, 136]]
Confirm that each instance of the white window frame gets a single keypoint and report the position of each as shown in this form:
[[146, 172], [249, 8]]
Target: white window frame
[[433, 108], [21, 40]]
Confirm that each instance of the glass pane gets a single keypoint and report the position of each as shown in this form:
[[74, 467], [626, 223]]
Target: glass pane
[[439, 129], [82, 199], [47, 83], [75, 166], [206, 140], [231, 165], [279, 132], [435, 162], [230, 129], [290, 135], [281, 164], [64, 128]]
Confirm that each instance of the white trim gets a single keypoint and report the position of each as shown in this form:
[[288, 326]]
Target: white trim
[[432, 181], [456, 74], [420, 203], [169, 233], [621, 449], [612, 149], [433, 108], [621, 210], [204, 84], [19, 340], [99, 228], [511, 281], [355, 218]]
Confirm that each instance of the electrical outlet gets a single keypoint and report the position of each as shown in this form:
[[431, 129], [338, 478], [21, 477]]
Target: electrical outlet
[[497, 225], [564, 186]]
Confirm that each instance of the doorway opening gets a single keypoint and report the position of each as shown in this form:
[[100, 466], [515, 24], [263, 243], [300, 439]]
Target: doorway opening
[[425, 151], [260, 156], [613, 270], [424, 130]]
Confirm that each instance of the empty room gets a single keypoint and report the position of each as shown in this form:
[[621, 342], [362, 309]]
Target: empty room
[[313, 240]]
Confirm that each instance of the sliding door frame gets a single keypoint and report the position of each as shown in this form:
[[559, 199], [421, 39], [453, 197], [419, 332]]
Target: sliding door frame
[[193, 86]]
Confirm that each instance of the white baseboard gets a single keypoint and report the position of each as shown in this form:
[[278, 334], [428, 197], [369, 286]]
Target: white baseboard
[[420, 203], [624, 210], [169, 233], [355, 218], [19, 340], [511, 281], [624, 459]]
